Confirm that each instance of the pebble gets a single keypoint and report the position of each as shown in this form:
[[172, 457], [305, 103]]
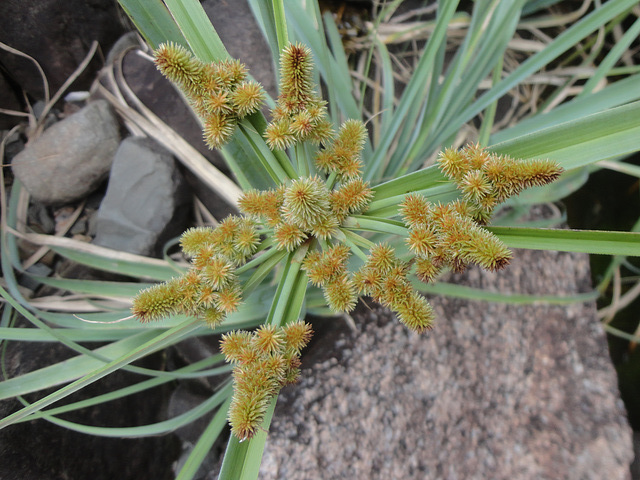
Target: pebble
[[71, 158]]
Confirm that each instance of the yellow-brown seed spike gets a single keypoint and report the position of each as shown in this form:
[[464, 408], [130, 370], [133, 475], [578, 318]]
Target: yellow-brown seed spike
[[316, 269], [237, 71], [279, 135], [268, 339], [416, 313], [297, 336], [295, 73], [246, 413], [203, 256], [213, 317], [206, 296], [229, 298], [335, 258], [218, 272], [322, 131], [382, 258], [228, 73], [195, 239], [217, 103], [343, 156], [453, 164], [340, 294], [355, 195], [476, 155], [415, 210], [427, 269], [254, 203], [233, 344], [485, 249], [395, 288], [422, 241], [535, 173], [178, 65], [288, 236], [157, 301], [228, 228], [247, 98], [306, 202], [189, 285], [292, 372], [368, 280], [246, 240], [218, 130], [325, 227], [301, 125], [352, 136], [475, 186]]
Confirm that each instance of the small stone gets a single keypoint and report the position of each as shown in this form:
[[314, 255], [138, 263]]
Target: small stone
[[145, 201], [71, 158]]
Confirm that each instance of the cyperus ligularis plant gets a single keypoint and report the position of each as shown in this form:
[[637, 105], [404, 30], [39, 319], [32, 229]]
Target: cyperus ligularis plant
[[315, 220]]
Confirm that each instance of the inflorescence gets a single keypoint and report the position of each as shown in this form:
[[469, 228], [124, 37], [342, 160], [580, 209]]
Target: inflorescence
[[218, 92], [316, 211]]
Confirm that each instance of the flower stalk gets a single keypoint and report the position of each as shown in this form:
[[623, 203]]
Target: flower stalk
[[313, 226]]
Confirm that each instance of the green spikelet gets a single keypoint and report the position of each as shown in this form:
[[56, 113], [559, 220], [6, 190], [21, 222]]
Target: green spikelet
[[247, 98], [306, 201], [178, 65], [157, 301], [340, 294], [416, 313], [296, 69], [265, 360], [343, 155], [300, 114], [216, 91], [194, 239]]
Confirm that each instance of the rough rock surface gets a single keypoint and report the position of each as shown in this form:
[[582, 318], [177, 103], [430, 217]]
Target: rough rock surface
[[494, 391], [72, 157], [146, 201]]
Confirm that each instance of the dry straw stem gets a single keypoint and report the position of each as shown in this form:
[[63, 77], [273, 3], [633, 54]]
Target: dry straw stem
[[146, 121]]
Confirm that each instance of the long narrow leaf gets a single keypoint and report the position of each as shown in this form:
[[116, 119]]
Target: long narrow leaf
[[586, 241]]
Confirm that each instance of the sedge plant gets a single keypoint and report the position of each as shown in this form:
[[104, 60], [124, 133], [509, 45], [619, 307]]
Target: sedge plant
[[314, 222], [330, 207]]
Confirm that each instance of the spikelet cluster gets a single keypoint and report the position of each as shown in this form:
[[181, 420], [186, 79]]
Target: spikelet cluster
[[447, 236], [328, 269], [486, 179], [265, 361], [210, 288], [384, 278], [219, 92], [343, 155], [307, 207], [300, 114]]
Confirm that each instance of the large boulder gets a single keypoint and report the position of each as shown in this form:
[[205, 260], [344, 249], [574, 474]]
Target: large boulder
[[495, 391]]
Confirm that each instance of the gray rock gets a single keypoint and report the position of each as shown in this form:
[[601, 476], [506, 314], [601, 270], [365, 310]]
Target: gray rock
[[72, 157], [495, 391], [145, 201]]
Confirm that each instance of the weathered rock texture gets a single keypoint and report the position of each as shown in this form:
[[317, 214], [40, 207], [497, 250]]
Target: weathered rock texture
[[72, 157], [147, 200], [495, 391]]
